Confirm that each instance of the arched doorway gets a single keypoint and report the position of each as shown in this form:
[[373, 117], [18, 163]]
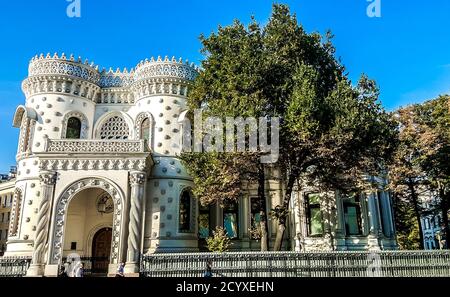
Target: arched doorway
[[101, 250]]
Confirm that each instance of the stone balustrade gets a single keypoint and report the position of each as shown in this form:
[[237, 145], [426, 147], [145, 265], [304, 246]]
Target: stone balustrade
[[94, 146]]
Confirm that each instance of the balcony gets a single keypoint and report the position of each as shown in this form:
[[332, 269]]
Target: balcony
[[94, 146]]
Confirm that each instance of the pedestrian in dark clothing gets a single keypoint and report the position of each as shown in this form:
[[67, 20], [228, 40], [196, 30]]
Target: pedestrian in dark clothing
[[63, 272], [208, 272], [120, 270]]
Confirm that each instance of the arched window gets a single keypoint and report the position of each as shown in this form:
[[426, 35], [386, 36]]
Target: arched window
[[145, 131], [184, 219], [114, 128], [73, 130]]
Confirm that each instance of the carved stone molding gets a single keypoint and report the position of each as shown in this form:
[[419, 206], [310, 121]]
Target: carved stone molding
[[52, 74], [62, 205], [93, 164], [94, 146], [157, 86], [137, 178], [47, 178], [45, 84], [16, 210], [165, 68], [55, 65]]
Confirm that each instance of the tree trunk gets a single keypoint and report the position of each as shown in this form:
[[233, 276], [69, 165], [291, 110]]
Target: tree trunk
[[415, 201], [262, 211], [282, 219]]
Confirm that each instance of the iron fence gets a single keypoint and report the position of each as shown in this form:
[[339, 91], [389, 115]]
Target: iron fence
[[300, 264], [14, 266]]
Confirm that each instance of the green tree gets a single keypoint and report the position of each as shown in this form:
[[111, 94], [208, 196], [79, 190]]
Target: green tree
[[330, 131], [421, 163], [434, 117]]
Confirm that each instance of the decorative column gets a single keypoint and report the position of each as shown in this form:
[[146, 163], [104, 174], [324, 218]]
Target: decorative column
[[137, 183], [48, 180], [374, 231]]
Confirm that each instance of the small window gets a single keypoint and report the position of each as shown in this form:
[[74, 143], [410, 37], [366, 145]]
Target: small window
[[230, 219], [352, 215], [73, 246], [314, 215], [185, 212], [73, 128], [145, 131]]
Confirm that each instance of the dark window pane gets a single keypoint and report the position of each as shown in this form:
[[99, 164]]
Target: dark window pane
[[185, 212], [73, 128], [352, 215]]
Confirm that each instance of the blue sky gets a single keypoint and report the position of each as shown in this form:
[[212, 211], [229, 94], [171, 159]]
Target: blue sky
[[407, 50]]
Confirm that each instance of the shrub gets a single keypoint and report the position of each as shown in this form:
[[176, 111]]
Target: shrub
[[219, 242]]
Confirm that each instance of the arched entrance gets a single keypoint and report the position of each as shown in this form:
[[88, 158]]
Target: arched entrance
[[101, 250], [81, 209]]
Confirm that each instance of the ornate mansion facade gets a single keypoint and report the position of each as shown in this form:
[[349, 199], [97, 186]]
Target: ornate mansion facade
[[98, 175]]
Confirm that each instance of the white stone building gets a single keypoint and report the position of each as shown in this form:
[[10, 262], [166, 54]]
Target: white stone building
[[431, 221], [98, 175]]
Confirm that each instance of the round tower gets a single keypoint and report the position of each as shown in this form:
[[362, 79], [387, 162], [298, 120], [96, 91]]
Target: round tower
[[57, 89], [160, 88]]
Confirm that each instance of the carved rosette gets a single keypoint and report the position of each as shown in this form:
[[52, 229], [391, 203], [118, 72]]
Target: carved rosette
[[47, 178], [137, 178]]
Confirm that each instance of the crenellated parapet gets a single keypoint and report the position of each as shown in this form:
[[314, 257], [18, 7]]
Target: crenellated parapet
[[61, 74], [166, 68]]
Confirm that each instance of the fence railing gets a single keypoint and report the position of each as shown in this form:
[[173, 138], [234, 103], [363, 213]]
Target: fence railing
[[91, 265], [300, 264], [14, 266]]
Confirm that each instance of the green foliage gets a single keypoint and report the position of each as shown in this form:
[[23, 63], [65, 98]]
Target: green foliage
[[331, 131], [218, 176], [406, 226], [219, 242], [422, 161], [278, 212]]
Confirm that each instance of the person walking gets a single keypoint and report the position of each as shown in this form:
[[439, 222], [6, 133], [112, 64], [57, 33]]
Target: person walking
[[79, 272], [120, 270], [208, 272], [63, 272]]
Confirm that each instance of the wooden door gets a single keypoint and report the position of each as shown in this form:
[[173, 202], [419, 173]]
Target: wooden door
[[101, 250]]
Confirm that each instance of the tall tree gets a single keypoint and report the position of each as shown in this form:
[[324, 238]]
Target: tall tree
[[230, 86], [434, 117], [421, 164], [329, 129]]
